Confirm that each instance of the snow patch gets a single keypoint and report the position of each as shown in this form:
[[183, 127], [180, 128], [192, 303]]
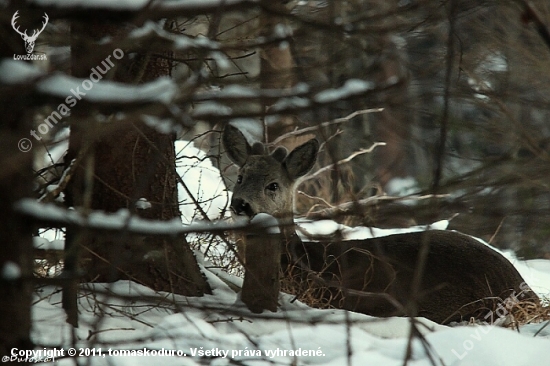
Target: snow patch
[[266, 221], [400, 186], [330, 228], [203, 182], [10, 271], [43, 243], [143, 204], [161, 90], [211, 109], [15, 72], [350, 88]]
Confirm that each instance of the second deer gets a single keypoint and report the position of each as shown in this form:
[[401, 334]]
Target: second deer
[[460, 277]]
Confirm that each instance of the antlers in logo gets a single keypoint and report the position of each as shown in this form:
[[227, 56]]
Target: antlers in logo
[[29, 40]]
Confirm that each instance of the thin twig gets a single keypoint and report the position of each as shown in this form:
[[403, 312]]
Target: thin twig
[[348, 207], [324, 124], [531, 14], [343, 161]]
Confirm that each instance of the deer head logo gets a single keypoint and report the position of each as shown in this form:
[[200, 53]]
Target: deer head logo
[[29, 40]]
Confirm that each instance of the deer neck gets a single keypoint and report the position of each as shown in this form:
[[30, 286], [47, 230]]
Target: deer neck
[[288, 230], [292, 251], [290, 235]]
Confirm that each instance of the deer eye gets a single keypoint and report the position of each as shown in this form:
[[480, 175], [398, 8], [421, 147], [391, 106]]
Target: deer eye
[[239, 179], [273, 186]]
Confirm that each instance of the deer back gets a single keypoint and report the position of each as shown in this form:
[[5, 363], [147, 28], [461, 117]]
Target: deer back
[[462, 278]]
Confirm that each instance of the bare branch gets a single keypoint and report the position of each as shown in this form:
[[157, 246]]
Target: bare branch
[[343, 161]]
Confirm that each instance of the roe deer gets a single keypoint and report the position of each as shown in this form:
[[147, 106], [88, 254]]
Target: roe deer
[[461, 277]]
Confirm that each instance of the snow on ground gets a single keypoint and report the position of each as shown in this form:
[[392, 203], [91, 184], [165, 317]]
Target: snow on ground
[[127, 322], [218, 330]]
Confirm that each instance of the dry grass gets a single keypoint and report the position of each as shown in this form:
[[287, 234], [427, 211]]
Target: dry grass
[[48, 264], [308, 291], [527, 312]]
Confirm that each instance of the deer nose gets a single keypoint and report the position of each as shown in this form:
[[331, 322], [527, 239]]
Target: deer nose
[[241, 207]]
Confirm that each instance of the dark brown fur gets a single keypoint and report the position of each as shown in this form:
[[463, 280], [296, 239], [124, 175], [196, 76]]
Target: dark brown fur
[[463, 278]]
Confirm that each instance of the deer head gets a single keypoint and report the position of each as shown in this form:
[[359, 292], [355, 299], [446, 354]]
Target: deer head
[[29, 40], [265, 183]]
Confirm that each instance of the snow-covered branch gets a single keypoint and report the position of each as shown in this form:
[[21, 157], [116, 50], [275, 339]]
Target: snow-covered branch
[[123, 221], [128, 9]]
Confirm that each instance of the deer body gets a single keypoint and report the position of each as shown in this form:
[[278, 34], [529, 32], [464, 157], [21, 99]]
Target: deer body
[[461, 277]]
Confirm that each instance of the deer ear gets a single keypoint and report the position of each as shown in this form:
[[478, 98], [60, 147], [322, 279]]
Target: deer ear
[[237, 147], [258, 148], [301, 159], [279, 154]]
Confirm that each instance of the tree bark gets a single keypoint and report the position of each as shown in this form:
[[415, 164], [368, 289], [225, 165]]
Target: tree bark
[[261, 279], [127, 161], [276, 67]]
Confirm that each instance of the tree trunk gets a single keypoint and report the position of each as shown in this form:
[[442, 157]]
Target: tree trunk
[[276, 68], [15, 184], [127, 161], [392, 126], [261, 279]]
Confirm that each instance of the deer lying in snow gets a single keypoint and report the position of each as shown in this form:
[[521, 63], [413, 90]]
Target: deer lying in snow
[[461, 278]]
